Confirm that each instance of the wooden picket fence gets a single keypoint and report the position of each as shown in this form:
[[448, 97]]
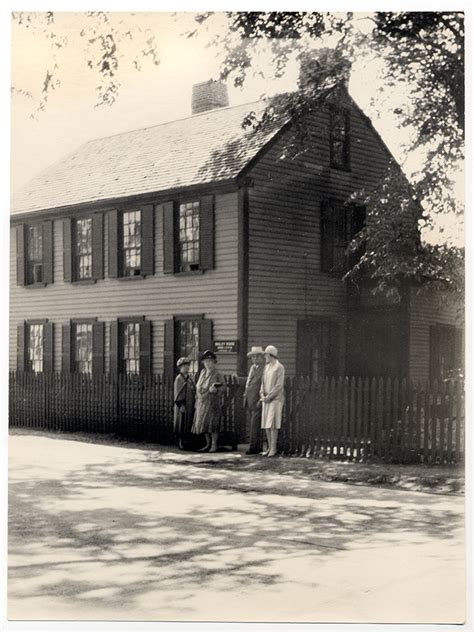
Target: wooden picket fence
[[346, 418]]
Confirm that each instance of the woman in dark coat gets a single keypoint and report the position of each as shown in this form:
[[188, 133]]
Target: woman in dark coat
[[184, 398], [210, 395]]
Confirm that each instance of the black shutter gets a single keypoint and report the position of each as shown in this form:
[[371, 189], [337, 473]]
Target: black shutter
[[169, 239], [169, 348], [113, 244], [303, 348], [97, 348], [48, 341], [21, 347], [21, 255], [114, 346], [98, 246], [147, 240], [327, 236], [67, 250], [48, 276], [206, 233], [66, 348], [205, 335], [145, 347]]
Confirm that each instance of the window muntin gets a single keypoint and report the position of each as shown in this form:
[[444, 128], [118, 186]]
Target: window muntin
[[83, 248], [339, 138], [132, 243], [83, 348], [35, 348], [188, 342], [131, 348], [34, 256], [188, 236]]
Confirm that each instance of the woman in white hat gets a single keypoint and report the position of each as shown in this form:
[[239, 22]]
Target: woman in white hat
[[272, 394]]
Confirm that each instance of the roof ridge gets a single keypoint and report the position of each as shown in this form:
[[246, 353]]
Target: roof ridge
[[184, 118]]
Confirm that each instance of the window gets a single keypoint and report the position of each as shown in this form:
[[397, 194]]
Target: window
[[446, 351], [131, 348], [35, 348], [339, 225], [83, 348], [318, 349], [132, 243], [189, 236], [188, 342], [83, 248], [186, 335], [339, 138], [34, 254]]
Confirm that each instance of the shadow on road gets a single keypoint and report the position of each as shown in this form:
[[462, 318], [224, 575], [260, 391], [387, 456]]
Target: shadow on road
[[128, 528]]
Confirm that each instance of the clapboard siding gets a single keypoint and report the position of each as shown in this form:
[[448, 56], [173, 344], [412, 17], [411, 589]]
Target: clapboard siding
[[429, 308], [158, 297], [285, 278]]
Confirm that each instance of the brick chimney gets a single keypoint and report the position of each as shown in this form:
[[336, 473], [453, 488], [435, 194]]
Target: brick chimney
[[209, 95]]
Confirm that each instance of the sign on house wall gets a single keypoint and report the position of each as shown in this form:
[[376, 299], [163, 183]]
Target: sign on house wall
[[226, 346]]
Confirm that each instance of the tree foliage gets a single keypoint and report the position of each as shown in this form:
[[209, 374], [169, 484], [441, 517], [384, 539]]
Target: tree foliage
[[423, 53], [109, 43]]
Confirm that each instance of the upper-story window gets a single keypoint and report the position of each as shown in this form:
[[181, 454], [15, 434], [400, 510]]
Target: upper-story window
[[35, 348], [83, 348], [189, 236], [83, 248], [339, 225], [34, 254], [339, 138], [131, 243]]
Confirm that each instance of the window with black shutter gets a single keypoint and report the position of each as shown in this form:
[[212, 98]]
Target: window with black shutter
[[35, 346], [83, 248], [340, 223], [446, 352], [186, 336], [83, 346], [188, 235], [339, 137], [130, 346], [131, 242], [35, 253], [318, 349]]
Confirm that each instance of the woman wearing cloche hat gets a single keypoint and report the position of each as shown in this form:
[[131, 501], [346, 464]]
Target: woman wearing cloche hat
[[207, 418], [272, 396], [184, 398]]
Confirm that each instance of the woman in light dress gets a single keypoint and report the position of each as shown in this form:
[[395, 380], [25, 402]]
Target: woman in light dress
[[209, 403], [272, 395]]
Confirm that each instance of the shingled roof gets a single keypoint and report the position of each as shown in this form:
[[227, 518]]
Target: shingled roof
[[204, 148]]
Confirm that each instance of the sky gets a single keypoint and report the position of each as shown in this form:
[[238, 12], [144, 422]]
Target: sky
[[153, 95]]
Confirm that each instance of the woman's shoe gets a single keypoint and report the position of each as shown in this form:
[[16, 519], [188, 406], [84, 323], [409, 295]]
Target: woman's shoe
[[180, 444], [205, 448], [264, 453], [272, 453]]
